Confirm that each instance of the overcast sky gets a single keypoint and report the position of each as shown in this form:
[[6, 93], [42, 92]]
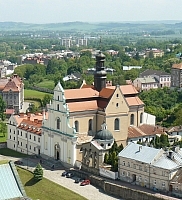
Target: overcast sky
[[53, 11]]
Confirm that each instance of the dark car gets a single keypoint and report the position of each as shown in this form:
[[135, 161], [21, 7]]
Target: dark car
[[69, 175], [64, 173], [18, 162], [85, 182], [77, 180]]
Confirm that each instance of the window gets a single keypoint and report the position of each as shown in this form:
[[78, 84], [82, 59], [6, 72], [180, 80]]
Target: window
[[128, 164], [140, 167], [117, 95], [77, 126], [26, 145], [116, 124], [155, 182], [21, 143], [176, 188], [81, 149], [58, 98], [132, 119], [58, 107], [134, 166], [141, 118], [163, 184], [18, 132], [10, 130], [139, 178], [34, 149], [117, 105], [123, 173], [38, 139], [18, 142], [123, 163], [102, 145], [58, 123], [90, 124], [14, 132], [10, 137], [30, 136], [25, 135], [34, 138], [21, 133], [14, 138], [128, 174], [30, 146]]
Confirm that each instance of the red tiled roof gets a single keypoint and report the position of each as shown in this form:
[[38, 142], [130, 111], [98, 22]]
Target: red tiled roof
[[126, 89], [81, 93], [11, 86], [106, 92], [177, 66], [82, 106], [134, 101], [9, 111], [144, 130]]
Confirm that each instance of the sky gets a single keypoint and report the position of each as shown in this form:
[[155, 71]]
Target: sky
[[55, 11]]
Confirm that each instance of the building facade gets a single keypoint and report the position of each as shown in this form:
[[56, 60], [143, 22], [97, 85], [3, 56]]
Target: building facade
[[176, 76]]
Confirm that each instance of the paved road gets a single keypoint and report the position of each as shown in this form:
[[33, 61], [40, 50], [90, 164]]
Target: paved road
[[89, 191]]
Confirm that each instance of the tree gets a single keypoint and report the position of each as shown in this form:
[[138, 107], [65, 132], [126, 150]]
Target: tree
[[2, 109], [46, 99], [38, 172]]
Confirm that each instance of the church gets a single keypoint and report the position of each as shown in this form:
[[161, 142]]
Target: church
[[75, 116]]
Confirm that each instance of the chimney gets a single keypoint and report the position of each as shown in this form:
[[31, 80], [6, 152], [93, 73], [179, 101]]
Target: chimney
[[140, 148], [171, 156]]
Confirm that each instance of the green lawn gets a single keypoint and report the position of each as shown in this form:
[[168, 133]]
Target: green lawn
[[33, 94], [45, 189], [3, 137], [12, 153], [46, 84]]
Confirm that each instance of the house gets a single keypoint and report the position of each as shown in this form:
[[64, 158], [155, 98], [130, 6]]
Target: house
[[12, 92], [126, 68], [24, 133], [154, 52], [176, 78], [162, 78], [72, 77], [144, 133], [149, 167], [144, 84]]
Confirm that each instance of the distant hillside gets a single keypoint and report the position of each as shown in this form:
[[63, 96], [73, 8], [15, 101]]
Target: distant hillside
[[84, 26]]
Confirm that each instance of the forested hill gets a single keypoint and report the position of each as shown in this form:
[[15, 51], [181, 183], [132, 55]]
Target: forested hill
[[84, 26]]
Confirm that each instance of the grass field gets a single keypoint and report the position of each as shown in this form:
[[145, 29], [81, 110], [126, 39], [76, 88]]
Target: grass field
[[33, 94], [3, 137], [46, 84], [12, 153], [45, 189]]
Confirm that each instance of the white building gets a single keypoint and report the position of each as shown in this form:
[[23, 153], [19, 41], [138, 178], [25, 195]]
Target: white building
[[58, 136]]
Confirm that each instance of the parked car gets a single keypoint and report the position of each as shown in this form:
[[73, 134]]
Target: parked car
[[69, 175], [85, 182], [77, 180], [18, 162], [64, 173]]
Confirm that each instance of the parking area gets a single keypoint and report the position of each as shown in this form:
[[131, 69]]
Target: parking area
[[88, 191]]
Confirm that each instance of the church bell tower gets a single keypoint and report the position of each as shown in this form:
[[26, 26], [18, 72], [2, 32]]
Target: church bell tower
[[100, 73]]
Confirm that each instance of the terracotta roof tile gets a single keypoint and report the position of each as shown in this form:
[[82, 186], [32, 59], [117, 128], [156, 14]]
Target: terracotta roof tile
[[177, 66], [144, 130], [81, 93], [106, 92], [82, 106], [11, 86], [126, 89], [134, 101]]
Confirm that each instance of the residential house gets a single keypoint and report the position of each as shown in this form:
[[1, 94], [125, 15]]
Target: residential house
[[12, 91], [154, 52], [126, 68], [24, 133], [148, 167], [176, 76], [162, 78], [144, 133], [144, 84]]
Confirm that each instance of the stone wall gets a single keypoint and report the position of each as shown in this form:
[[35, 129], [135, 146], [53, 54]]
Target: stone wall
[[3, 145], [116, 190]]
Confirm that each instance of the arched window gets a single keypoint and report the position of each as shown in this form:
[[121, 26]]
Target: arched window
[[90, 124], [58, 123], [76, 126], [141, 118], [132, 119], [58, 107], [116, 124]]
